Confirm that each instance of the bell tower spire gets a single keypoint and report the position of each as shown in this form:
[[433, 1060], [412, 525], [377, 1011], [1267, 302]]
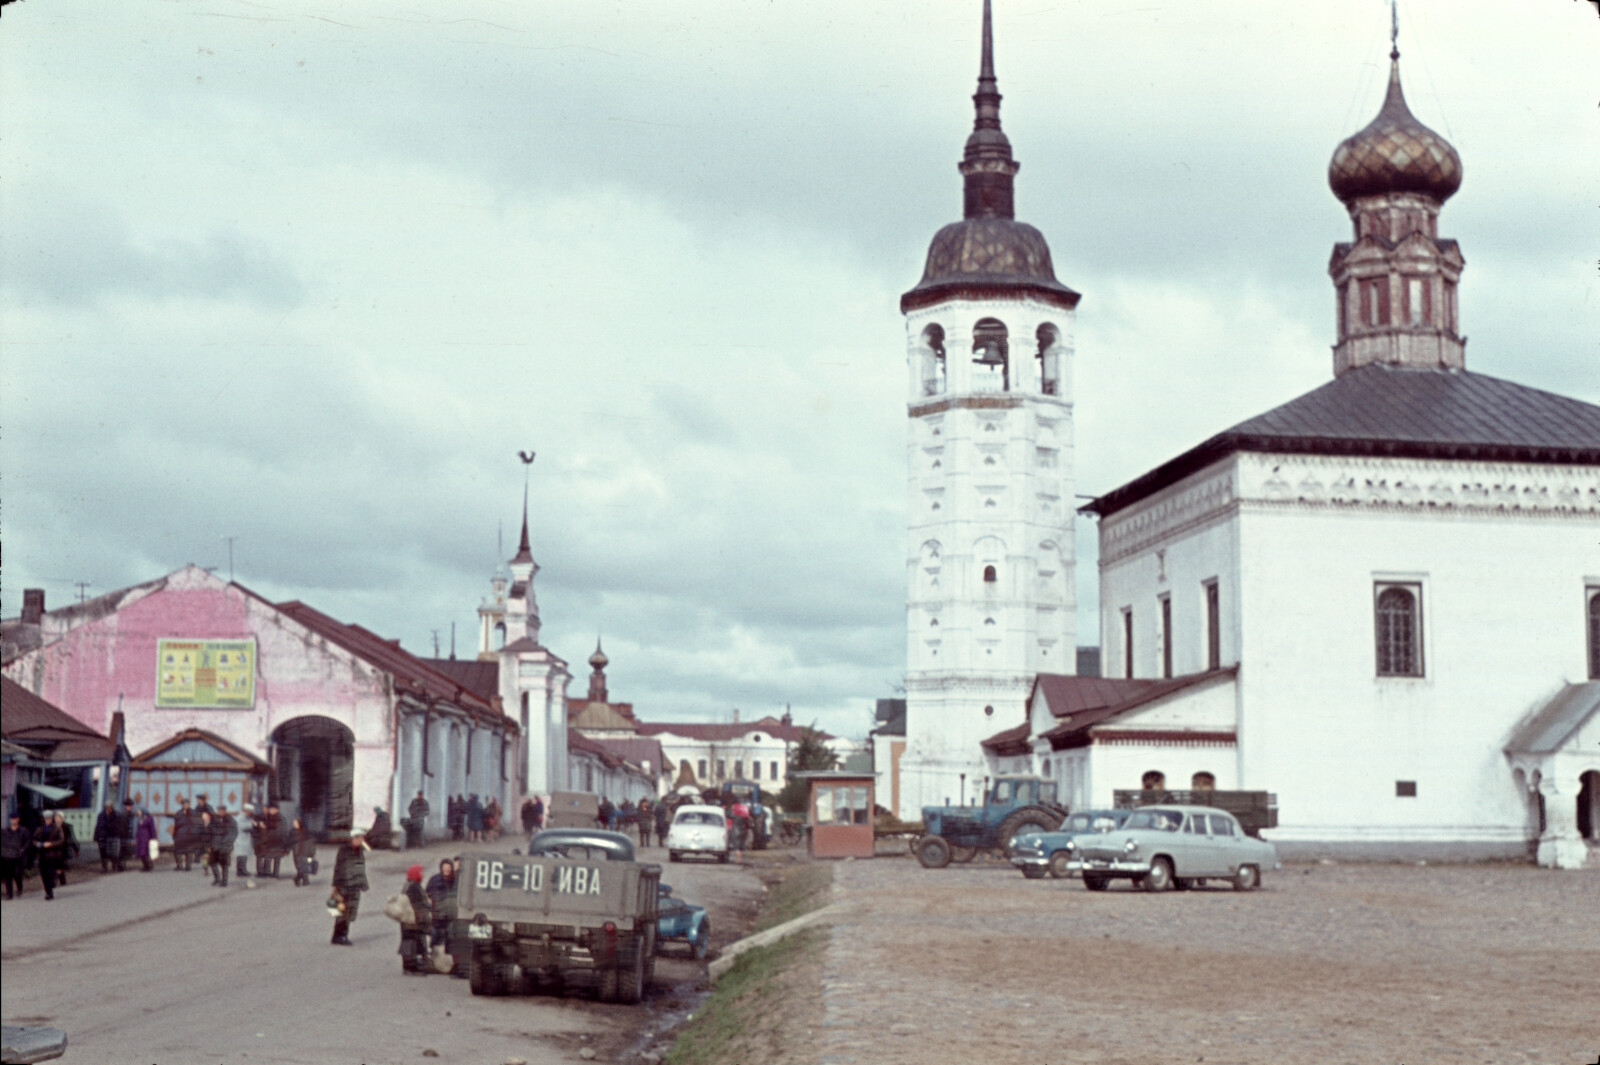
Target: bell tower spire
[[987, 165]]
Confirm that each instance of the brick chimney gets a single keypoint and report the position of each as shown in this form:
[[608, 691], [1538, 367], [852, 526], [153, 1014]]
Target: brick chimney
[[32, 606]]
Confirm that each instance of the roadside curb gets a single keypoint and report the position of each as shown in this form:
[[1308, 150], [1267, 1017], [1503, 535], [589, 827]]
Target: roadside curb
[[730, 953]]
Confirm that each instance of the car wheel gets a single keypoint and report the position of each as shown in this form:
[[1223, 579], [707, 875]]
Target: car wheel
[[1058, 865], [933, 853], [1248, 878], [699, 945], [1032, 872], [1095, 883], [1159, 878]]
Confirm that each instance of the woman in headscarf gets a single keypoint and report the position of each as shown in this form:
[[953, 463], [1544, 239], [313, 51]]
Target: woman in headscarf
[[414, 933], [143, 836]]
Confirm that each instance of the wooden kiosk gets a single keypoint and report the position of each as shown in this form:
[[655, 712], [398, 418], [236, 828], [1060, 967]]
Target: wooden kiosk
[[839, 814]]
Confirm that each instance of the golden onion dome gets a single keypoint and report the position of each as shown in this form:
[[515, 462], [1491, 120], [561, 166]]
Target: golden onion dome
[[1394, 153]]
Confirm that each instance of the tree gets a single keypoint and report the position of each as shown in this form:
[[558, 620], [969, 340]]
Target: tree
[[810, 754]]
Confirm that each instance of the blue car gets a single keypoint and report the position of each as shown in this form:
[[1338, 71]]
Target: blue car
[[681, 922], [1038, 853]]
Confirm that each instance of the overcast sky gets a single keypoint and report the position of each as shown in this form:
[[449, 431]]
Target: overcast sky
[[310, 274]]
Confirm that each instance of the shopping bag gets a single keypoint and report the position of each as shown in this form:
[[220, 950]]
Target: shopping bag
[[398, 908]]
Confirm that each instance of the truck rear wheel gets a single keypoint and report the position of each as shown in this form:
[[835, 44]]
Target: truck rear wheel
[[630, 971], [487, 976]]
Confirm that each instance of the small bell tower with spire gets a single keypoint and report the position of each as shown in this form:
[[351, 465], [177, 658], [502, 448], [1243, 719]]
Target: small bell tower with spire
[[1396, 281], [989, 599], [522, 606]]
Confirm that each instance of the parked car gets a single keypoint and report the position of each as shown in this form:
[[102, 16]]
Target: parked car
[[592, 844], [683, 922], [1159, 847], [698, 830], [1038, 853]]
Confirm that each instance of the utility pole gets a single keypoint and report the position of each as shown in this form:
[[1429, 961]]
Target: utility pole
[[230, 540], [83, 592]]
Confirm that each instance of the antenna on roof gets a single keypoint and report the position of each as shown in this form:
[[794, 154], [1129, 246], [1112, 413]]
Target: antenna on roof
[[230, 540], [83, 587], [436, 643], [452, 641]]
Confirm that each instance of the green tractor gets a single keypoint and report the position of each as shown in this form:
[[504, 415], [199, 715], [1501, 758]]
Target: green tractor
[[1012, 805]]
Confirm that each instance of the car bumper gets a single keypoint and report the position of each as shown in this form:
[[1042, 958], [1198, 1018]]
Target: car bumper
[[1112, 867], [1030, 861]]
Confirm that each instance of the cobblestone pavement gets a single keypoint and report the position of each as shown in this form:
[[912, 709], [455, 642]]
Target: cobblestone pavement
[[1327, 963]]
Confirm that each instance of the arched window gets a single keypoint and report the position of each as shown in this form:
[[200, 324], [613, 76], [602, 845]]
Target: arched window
[[1399, 631], [1153, 780], [1049, 338], [1594, 633], [990, 575], [1203, 781], [933, 367], [499, 634], [991, 355]]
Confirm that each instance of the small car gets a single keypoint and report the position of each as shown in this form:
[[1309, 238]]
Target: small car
[[698, 830], [1038, 853], [681, 922], [1160, 847]]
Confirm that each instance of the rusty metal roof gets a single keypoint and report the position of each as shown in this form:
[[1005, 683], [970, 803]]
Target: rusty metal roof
[[1399, 412]]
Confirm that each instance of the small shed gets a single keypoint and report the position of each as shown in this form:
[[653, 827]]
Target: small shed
[[839, 813], [195, 762]]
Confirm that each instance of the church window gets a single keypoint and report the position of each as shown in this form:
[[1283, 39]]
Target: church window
[[1342, 302], [990, 575], [933, 367], [1153, 780], [499, 634], [524, 712], [702, 767], [755, 770], [1049, 338], [1203, 781], [722, 769], [1127, 642], [1448, 319], [1594, 633], [774, 767], [991, 356], [1166, 636], [1375, 301], [1213, 626], [738, 770], [1418, 301], [1399, 630]]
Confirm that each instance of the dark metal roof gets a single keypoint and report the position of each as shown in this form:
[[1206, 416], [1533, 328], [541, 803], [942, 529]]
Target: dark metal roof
[[47, 730], [476, 676], [1400, 412], [1552, 726]]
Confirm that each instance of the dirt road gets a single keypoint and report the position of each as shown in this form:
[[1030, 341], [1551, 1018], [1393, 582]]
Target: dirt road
[[1370, 963]]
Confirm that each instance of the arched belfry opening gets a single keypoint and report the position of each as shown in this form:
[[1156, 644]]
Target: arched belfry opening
[[991, 356], [313, 773], [1049, 356], [933, 364]]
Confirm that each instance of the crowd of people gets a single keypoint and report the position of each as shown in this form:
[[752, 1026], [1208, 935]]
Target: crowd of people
[[48, 844]]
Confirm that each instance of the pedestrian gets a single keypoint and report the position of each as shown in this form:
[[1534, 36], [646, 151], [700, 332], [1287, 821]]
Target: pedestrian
[[15, 842], [107, 837], [663, 817], [50, 842], [244, 855], [456, 815], [442, 899], [128, 822], [349, 881], [529, 821], [69, 849], [182, 834], [538, 812], [739, 816], [200, 804], [474, 819], [419, 810], [646, 821], [143, 836], [491, 820], [305, 853], [414, 933], [606, 814], [272, 842], [224, 832]]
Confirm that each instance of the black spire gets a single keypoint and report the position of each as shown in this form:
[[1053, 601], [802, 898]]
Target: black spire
[[987, 164], [524, 551]]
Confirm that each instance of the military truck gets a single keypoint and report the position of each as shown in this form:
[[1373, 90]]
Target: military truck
[[1012, 805], [577, 909]]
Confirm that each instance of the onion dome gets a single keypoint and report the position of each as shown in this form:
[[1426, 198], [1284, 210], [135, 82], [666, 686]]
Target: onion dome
[[988, 249], [1394, 153], [598, 660]]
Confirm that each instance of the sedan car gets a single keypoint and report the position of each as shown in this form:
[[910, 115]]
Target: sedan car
[[1159, 847], [699, 830], [1038, 853]]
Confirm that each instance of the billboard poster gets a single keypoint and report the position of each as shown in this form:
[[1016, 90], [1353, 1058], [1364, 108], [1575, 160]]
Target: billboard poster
[[219, 673]]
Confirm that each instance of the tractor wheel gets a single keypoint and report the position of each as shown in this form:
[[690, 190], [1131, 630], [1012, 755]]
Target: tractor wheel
[[933, 853], [1031, 819], [1058, 864], [960, 855]]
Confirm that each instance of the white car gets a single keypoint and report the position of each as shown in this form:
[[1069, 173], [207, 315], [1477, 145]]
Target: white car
[[698, 830]]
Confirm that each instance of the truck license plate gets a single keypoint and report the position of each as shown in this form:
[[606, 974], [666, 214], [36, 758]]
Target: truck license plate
[[480, 931]]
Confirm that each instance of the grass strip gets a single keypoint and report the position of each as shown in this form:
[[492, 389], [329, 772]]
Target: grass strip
[[797, 889], [749, 1015]]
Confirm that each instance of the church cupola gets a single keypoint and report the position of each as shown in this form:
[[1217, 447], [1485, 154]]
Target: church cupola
[[597, 680], [1396, 281]]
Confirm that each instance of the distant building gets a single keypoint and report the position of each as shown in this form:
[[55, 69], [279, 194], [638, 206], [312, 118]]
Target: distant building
[[706, 754], [53, 761]]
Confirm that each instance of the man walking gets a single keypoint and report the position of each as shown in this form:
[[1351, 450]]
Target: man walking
[[663, 819], [108, 837], [418, 811], [14, 844], [224, 831], [349, 881], [182, 834], [128, 822], [51, 842]]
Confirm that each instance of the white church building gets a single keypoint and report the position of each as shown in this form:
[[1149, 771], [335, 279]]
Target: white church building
[[1379, 601]]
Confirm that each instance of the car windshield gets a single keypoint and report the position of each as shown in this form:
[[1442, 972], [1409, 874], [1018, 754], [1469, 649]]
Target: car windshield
[[696, 817], [1161, 820]]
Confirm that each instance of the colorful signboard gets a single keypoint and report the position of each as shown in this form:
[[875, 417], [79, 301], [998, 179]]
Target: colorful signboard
[[219, 673]]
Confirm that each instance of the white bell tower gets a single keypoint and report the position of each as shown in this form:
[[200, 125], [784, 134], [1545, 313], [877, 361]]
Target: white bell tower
[[989, 600]]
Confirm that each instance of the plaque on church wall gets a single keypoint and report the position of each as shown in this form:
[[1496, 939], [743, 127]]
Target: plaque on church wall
[[215, 673]]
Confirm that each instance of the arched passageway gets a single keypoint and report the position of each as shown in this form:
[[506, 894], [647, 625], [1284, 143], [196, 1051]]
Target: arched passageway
[[313, 773]]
